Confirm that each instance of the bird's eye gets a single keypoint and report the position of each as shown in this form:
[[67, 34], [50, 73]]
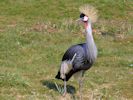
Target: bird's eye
[[82, 15]]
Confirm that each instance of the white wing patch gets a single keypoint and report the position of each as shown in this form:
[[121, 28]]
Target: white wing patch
[[66, 66]]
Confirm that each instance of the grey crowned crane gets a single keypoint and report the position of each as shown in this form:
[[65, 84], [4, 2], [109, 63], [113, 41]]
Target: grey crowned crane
[[79, 58]]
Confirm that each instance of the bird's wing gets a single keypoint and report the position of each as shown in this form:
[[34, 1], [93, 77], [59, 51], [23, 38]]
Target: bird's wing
[[80, 58], [80, 61]]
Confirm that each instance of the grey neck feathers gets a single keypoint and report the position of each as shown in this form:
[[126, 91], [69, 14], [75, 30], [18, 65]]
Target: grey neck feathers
[[91, 47]]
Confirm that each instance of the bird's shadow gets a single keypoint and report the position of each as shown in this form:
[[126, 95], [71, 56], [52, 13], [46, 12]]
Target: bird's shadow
[[51, 85]]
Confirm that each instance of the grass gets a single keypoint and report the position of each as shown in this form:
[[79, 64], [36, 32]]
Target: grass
[[34, 35]]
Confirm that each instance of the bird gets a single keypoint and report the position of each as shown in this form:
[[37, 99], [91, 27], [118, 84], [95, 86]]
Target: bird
[[80, 57]]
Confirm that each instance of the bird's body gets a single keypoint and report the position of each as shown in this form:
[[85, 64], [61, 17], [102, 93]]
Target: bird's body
[[80, 62]]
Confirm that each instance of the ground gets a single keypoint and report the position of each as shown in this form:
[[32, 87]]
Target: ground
[[34, 34]]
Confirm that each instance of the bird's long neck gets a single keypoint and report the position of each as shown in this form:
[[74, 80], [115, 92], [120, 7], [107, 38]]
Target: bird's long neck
[[90, 44]]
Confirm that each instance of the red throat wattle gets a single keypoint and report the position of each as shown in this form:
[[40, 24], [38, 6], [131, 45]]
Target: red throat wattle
[[86, 24]]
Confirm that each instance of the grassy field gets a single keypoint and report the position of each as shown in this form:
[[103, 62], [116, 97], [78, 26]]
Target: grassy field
[[34, 35]]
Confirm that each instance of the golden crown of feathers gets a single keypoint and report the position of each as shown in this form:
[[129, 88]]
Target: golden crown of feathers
[[89, 11]]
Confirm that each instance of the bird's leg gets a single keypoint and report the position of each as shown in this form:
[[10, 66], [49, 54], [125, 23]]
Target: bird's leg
[[65, 89], [81, 78], [80, 87]]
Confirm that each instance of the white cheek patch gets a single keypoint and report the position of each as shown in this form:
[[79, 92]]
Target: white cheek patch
[[85, 18]]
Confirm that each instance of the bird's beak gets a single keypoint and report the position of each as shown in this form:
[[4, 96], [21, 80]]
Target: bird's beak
[[79, 20]]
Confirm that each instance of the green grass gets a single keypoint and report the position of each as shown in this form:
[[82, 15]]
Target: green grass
[[34, 35]]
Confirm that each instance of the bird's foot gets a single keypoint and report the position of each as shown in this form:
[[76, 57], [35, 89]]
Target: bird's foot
[[64, 94]]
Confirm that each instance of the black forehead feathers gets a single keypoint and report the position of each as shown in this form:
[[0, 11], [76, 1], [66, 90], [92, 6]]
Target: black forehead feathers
[[82, 15]]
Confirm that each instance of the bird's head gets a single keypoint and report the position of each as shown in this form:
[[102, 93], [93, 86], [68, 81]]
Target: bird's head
[[88, 13], [83, 17]]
